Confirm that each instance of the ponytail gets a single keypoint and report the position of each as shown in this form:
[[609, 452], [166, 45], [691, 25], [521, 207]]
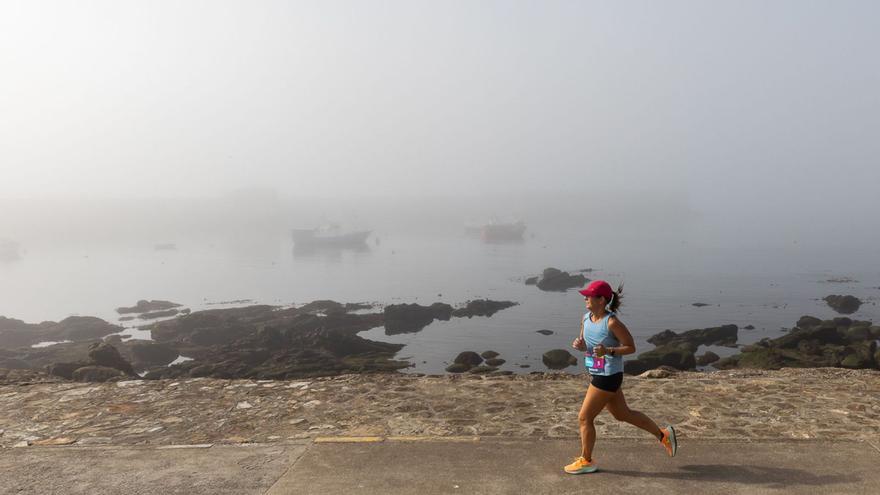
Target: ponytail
[[616, 296]]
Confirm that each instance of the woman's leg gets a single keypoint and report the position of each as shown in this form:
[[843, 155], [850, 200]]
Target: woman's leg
[[621, 412], [594, 401]]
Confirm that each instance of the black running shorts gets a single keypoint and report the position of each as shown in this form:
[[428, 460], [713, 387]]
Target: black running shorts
[[609, 383]]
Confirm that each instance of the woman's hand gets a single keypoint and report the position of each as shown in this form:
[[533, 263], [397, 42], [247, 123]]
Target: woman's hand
[[579, 344], [599, 350]]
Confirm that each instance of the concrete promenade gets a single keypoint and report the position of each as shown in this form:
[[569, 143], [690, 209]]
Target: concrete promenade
[[430, 465]]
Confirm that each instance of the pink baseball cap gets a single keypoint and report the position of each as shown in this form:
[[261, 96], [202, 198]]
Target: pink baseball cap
[[598, 288]]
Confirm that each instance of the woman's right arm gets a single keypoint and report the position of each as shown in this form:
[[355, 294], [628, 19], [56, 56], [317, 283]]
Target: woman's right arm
[[579, 343]]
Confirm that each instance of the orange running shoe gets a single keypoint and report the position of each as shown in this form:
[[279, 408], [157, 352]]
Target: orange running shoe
[[581, 466], [669, 442]]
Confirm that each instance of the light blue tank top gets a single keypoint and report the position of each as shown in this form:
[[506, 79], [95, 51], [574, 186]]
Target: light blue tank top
[[596, 333]]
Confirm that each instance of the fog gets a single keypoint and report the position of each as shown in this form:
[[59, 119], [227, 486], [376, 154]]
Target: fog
[[753, 123]]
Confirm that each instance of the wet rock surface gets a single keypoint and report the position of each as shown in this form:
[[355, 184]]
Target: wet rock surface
[[144, 306], [482, 307], [843, 304], [676, 350], [840, 342], [260, 341], [409, 318], [557, 359], [725, 335], [16, 333], [553, 279], [707, 358], [822, 403]]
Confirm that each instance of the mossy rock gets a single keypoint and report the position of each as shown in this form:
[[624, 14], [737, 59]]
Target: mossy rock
[[678, 357], [468, 358], [457, 368], [495, 362], [558, 359], [489, 354]]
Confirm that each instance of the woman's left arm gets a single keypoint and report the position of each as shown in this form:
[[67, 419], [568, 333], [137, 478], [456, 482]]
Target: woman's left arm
[[627, 346]]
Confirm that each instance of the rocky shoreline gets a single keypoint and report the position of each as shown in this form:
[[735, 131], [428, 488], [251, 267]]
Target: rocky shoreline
[[321, 339], [823, 403]]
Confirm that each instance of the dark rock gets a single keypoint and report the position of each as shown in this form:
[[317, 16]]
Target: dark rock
[[859, 356], [144, 306], [662, 338], [219, 335], [495, 362], [843, 321], [97, 374], [489, 354], [146, 354], [558, 359], [843, 304], [105, 355], [482, 369], [557, 280], [825, 333], [361, 306], [77, 328], [545, 332], [680, 358], [482, 307], [267, 342], [707, 358], [808, 322], [126, 318], [16, 333], [64, 370], [749, 327], [409, 318], [725, 335], [699, 304], [875, 331], [532, 281], [159, 314], [635, 367], [469, 358], [323, 307], [857, 334], [14, 363], [457, 368], [270, 337]]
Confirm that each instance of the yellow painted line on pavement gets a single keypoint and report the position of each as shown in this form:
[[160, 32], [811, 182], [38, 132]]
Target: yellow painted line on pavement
[[432, 439]]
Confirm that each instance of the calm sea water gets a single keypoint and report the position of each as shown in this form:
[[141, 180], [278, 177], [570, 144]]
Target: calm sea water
[[768, 288]]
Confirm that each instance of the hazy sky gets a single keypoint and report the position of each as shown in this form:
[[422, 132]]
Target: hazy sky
[[736, 102]]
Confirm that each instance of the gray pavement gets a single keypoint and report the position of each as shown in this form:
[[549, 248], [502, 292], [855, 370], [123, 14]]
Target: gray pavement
[[442, 465], [135, 471]]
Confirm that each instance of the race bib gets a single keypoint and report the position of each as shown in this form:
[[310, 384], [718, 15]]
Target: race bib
[[594, 364]]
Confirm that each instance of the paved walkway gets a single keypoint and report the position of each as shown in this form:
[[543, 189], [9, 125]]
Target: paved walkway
[[446, 465]]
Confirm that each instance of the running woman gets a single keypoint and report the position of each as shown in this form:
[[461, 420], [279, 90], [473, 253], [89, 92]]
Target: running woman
[[605, 340]]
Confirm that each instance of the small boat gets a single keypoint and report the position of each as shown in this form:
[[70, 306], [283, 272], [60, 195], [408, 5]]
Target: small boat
[[332, 237], [501, 232]]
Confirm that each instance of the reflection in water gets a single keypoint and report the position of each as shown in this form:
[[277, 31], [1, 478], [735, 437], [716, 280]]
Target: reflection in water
[[331, 253]]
